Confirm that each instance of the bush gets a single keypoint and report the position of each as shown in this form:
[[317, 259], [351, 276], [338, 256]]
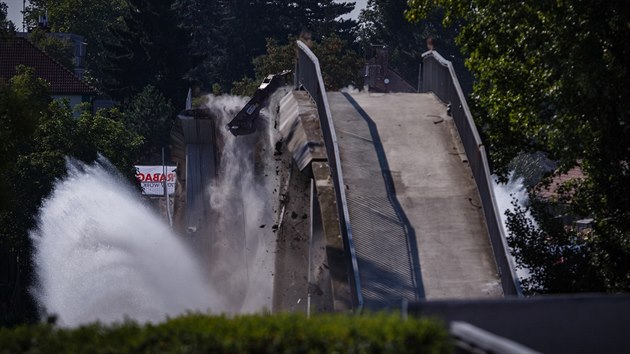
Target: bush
[[195, 333]]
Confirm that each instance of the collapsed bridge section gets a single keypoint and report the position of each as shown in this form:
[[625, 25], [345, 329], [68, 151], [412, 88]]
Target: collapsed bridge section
[[194, 150]]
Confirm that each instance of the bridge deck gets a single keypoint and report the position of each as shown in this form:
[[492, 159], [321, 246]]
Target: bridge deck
[[414, 209]]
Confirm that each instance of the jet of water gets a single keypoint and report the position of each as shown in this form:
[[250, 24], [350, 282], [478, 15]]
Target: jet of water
[[507, 193], [100, 254], [244, 198]]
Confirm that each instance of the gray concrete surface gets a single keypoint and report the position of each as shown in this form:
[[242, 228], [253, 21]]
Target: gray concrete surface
[[383, 238], [298, 122], [328, 286], [302, 278], [433, 183], [299, 283], [328, 225]]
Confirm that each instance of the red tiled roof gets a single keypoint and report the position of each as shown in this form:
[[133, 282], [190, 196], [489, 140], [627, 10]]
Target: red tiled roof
[[16, 51], [551, 191]]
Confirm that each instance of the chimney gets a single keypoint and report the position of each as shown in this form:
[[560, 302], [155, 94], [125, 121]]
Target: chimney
[[79, 57], [42, 23]]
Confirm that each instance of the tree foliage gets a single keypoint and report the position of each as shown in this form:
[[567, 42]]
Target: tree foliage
[[559, 259], [171, 44], [195, 333], [6, 26], [383, 23], [92, 19], [150, 115], [553, 76], [320, 18], [61, 50], [150, 49], [340, 65], [229, 34], [204, 22], [22, 100]]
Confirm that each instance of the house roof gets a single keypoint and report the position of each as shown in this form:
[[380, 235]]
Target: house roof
[[16, 51], [551, 191]]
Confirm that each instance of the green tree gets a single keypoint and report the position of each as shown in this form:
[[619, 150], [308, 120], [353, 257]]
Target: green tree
[[40, 156], [277, 59], [341, 66], [89, 18], [553, 77], [383, 22], [61, 50], [259, 333], [150, 115], [6, 26], [231, 33], [151, 49], [321, 18], [204, 22], [559, 259], [22, 100]]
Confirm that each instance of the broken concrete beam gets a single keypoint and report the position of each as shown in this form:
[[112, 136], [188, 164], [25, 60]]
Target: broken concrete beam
[[300, 129], [335, 251]]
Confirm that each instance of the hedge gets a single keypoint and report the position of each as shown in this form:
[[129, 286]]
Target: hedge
[[196, 333]]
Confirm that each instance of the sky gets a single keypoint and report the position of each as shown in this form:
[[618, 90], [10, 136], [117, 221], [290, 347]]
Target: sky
[[15, 6], [360, 4]]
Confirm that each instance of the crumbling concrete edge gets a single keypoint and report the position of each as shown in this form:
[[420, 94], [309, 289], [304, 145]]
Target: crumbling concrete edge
[[300, 128], [335, 251], [299, 124]]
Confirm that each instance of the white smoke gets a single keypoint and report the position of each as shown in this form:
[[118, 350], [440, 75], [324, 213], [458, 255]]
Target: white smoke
[[244, 199], [100, 254], [507, 193], [351, 89]]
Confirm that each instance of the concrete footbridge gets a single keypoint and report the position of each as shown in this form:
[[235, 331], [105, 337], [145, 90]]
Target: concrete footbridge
[[367, 200], [407, 208], [418, 228]]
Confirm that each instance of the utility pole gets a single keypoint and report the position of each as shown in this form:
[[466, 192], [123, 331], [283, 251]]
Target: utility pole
[[166, 196]]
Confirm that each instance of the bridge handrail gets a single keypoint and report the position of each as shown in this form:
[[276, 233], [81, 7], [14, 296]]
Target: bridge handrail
[[309, 76], [438, 76]]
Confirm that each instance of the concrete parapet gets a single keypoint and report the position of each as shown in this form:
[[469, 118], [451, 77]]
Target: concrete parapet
[[299, 126], [335, 252]]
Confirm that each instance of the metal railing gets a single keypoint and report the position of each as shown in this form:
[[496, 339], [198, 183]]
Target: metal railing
[[438, 76], [308, 76], [472, 339]]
